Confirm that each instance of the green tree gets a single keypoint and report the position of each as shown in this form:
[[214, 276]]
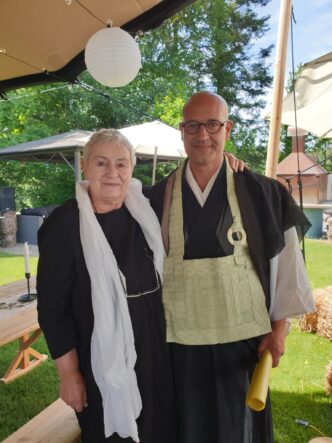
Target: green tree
[[211, 44], [37, 184]]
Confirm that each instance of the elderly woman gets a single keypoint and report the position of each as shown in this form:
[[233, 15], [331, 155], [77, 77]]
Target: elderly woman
[[99, 301]]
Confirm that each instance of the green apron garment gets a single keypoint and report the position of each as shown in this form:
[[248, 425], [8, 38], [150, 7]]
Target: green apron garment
[[211, 300]]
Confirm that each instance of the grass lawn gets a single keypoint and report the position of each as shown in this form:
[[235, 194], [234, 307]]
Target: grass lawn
[[12, 267], [26, 396], [297, 389], [319, 262], [297, 385]]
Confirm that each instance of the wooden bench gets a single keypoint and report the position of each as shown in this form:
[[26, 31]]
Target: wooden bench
[[22, 326], [55, 424]]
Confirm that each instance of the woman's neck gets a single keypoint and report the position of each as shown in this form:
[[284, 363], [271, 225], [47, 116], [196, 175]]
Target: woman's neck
[[101, 207]]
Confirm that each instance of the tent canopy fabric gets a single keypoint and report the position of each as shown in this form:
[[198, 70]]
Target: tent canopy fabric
[[313, 94], [51, 35], [45, 149], [144, 138], [155, 136]]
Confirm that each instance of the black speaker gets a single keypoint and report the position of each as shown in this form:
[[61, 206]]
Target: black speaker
[[7, 199]]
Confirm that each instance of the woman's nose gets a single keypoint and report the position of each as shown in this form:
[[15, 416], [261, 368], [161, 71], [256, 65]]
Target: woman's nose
[[111, 170]]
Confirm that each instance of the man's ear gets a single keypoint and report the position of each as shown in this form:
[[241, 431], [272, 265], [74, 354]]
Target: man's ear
[[229, 126]]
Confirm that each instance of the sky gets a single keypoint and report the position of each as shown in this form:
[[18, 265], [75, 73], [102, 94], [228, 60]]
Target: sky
[[312, 32]]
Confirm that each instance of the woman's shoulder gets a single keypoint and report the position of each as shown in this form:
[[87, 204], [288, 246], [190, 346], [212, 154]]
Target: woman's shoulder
[[67, 209], [63, 218]]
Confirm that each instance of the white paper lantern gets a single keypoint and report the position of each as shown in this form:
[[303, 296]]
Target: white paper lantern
[[112, 57]]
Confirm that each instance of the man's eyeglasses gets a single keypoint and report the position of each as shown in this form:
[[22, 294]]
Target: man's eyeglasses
[[212, 126]]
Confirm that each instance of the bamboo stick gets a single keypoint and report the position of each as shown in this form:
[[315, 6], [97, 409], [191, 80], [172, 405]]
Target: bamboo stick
[[278, 87]]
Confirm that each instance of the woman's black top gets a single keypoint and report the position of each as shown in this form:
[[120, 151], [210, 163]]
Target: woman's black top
[[66, 316]]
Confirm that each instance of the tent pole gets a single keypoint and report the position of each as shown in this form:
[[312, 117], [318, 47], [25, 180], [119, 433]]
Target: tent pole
[[77, 156], [154, 165], [66, 161], [278, 87]]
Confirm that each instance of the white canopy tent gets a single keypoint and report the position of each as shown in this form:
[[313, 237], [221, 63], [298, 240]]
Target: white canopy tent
[[313, 97], [155, 140], [66, 147], [310, 79]]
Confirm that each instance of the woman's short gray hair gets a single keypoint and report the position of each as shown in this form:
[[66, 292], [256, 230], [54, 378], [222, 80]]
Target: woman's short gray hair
[[109, 136]]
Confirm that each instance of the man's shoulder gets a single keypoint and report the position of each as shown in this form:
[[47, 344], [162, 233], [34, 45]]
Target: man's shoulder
[[256, 177], [272, 201], [260, 183]]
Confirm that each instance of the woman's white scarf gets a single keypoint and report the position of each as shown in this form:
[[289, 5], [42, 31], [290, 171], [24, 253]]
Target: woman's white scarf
[[113, 354]]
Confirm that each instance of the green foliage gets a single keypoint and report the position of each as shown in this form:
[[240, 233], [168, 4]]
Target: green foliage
[[320, 150], [37, 184], [144, 171], [169, 109], [211, 44], [249, 145]]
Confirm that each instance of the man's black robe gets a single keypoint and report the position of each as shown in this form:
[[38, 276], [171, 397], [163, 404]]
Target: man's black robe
[[211, 381]]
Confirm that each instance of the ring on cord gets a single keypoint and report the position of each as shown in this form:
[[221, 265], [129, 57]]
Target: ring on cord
[[241, 233]]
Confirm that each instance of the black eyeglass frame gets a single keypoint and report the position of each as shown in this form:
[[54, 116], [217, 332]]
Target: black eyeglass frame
[[183, 125]]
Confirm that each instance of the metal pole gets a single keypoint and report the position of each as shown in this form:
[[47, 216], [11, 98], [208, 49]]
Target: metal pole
[[77, 156], [154, 165], [278, 88]]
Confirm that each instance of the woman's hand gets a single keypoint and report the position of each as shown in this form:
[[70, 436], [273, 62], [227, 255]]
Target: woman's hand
[[72, 383], [73, 391], [235, 163], [274, 341]]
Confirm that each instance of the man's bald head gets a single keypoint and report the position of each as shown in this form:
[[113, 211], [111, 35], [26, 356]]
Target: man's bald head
[[204, 97], [205, 147]]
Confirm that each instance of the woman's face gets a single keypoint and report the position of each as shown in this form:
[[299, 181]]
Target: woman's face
[[108, 169]]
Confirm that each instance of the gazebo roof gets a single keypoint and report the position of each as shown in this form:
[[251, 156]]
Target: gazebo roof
[[291, 164], [145, 138], [46, 149]]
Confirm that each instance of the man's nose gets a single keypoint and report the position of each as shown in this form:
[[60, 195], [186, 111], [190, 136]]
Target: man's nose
[[202, 132]]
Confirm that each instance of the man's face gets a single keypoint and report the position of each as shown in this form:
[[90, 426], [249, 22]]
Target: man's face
[[203, 148]]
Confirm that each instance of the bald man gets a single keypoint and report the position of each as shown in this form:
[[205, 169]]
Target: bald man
[[229, 278]]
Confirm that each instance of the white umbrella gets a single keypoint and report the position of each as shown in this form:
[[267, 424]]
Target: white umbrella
[[313, 93], [155, 140]]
